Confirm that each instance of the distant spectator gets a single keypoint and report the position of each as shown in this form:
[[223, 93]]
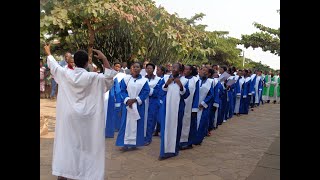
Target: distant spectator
[[42, 78]]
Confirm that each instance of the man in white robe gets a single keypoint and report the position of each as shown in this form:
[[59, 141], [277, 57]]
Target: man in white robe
[[79, 143]]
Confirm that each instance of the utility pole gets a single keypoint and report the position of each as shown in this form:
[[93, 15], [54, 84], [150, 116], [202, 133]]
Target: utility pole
[[243, 59]]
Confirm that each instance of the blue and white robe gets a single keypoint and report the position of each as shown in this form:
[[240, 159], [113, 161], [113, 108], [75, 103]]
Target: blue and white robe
[[213, 115], [131, 133], [245, 97], [204, 95], [258, 90], [252, 91], [239, 94], [151, 109], [171, 124], [189, 127], [230, 99], [113, 106]]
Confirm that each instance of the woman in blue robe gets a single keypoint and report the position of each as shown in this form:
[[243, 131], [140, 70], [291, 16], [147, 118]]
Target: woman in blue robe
[[171, 124], [152, 103], [204, 95], [134, 91]]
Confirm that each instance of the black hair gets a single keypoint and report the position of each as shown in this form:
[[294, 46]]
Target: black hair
[[116, 63], [193, 69], [163, 69], [224, 68], [211, 71], [137, 63], [151, 64], [234, 69], [81, 58], [181, 66], [240, 70], [246, 71]]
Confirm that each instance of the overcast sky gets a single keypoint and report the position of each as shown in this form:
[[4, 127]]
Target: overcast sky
[[235, 16]]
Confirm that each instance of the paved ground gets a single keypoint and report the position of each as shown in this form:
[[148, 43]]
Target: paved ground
[[238, 150]]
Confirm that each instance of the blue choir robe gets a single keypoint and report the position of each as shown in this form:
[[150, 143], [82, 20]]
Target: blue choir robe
[[189, 126], [171, 124], [252, 91], [151, 109], [222, 103], [112, 106], [236, 77], [258, 90], [204, 96], [131, 133], [219, 91], [213, 115], [238, 94], [162, 99], [245, 97], [230, 100]]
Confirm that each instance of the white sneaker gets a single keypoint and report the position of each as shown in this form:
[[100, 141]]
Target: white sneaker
[[224, 121]]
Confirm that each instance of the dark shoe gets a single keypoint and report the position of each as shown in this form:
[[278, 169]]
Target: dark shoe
[[132, 148], [186, 147], [124, 149], [166, 157], [147, 143], [156, 134], [62, 178]]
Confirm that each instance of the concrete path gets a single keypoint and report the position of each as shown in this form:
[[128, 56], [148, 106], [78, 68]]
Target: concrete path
[[242, 148]]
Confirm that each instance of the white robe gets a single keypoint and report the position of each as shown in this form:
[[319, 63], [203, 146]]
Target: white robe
[[187, 110], [79, 144], [275, 94]]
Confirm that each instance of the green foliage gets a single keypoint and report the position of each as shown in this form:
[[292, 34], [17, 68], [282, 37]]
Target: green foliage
[[268, 39], [134, 30], [249, 64]]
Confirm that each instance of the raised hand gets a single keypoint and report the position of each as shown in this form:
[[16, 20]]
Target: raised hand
[[177, 80], [47, 49], [99, 55], [170, 80]]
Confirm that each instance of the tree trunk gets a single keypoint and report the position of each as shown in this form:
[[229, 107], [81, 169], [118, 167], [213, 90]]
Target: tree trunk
[[91, 42]]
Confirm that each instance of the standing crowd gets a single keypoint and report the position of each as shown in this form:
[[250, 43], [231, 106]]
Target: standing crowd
[[182, 104]]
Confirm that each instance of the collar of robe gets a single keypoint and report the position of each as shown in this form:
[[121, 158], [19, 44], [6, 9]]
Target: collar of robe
[[139, 77], [149, 78], [203, 80], [188, 77]]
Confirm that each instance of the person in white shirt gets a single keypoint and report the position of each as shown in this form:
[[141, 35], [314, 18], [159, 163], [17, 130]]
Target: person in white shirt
[[79, 143]]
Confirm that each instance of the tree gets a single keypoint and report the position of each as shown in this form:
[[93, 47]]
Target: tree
[[250, 64], [268, 39], [134, 30]]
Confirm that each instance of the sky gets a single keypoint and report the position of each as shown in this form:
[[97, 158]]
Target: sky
[[235, 16]]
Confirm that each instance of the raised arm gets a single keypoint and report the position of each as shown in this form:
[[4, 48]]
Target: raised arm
[[55, 69], [108, 72]]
